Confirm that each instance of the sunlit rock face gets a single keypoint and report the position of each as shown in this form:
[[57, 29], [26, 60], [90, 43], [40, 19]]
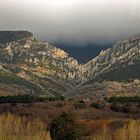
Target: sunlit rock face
[[122, 54], [54, 72], [58, 53], [21, 50]]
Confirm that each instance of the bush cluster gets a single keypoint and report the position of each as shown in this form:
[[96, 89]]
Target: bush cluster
[[27, 99], [80, 105], [124, 99], [98, 105], [65, 128], [126, 108]]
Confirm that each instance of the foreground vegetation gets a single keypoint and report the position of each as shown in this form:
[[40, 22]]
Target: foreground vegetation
[[130, 131], [19, 128], [68, 120], [63, 128]]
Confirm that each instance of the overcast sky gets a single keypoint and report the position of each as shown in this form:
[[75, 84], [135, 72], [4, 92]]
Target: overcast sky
[[78, 21]]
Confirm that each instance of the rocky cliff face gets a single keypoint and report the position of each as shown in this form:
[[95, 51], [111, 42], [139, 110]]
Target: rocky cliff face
[[115, 71], [123, 54], [28, 54], [27, 58], [43, 68]]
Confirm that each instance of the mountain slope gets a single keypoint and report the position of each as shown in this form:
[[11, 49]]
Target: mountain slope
[[40, 68], [10, 79], [43, 65], [115, 71], [116, 63]]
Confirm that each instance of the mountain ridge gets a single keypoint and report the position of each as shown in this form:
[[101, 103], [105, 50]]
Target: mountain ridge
[[53, 72], [121, 52], [36, 62]]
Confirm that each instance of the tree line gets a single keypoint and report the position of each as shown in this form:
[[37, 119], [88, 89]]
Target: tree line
[[124, 99], [27, 99]]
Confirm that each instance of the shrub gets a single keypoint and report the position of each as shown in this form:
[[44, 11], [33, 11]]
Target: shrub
[[80, 105], [13, 104], [59, 105], [130, 109], [115, 107], [64, 128], [124, 99], [127, 108], [98, 105], [81, 101], [105, 99], [62, 98]]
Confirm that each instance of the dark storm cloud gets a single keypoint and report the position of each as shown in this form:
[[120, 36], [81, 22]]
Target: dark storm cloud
[[78, 21]]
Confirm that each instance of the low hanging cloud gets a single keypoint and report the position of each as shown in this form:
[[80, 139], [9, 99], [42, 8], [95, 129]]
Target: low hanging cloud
[[72, 21]]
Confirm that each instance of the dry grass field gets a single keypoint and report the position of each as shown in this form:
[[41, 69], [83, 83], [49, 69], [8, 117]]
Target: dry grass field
[[14, 127], [130, 131], [19, 128], [31, 121]]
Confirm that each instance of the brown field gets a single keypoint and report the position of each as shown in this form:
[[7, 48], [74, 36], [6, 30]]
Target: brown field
[[49, 110], [97, 124]]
